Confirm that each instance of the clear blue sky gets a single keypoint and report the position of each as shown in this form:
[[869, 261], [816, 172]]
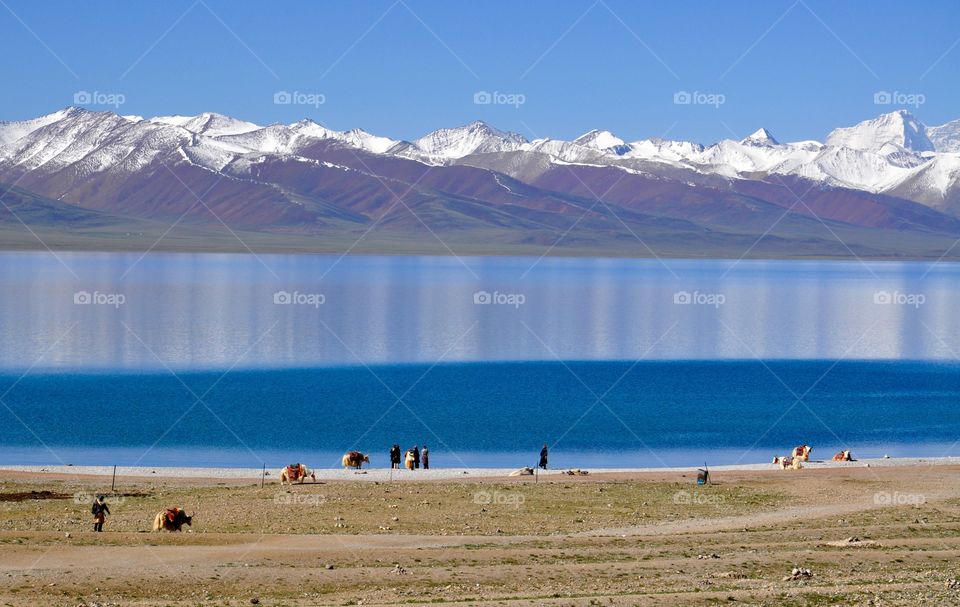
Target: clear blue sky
[[402, 69]]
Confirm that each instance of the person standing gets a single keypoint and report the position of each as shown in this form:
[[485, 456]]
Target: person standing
[[416, 457], [395, 456], [543, 457], [425, 457], [100, 510]]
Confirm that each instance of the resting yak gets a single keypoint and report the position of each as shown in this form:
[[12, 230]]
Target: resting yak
[[802, 452], [296, 473], [788, 463], [843, 456], [172, 519]]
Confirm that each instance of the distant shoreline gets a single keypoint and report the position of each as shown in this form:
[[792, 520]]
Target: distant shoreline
[[384, 474], [280, 248]]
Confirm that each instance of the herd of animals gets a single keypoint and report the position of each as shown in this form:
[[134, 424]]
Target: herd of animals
[[802, 454], [298, 473], [173, 519]]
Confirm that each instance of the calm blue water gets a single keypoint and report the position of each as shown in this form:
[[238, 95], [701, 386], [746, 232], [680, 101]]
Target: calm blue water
[[652, 413], [199, 359]]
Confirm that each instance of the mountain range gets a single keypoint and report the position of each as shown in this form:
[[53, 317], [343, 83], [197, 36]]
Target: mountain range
[[888, 187]]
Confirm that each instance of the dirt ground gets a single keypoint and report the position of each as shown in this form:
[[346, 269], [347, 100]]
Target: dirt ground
[[618, 539]]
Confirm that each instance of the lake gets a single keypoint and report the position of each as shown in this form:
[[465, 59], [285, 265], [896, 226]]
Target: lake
[[241, 360]]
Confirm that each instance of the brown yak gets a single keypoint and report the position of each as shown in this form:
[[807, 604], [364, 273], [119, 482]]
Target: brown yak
[[843, 456], [355, 459], [802, 452], [788, 463], [172, 519], [296, 473]]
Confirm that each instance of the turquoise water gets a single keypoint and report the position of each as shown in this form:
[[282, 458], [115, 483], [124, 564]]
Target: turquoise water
[[483, 414], [250, 360]]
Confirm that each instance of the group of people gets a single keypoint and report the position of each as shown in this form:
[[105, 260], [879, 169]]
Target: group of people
[[415, 456]]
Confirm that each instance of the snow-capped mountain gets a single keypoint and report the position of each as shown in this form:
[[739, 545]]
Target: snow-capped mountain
[[474, 138], [663, 150], [604, 141], [898, 128], [76, 153], [760, 137], [208, 123], [12, 131], [946, 137]]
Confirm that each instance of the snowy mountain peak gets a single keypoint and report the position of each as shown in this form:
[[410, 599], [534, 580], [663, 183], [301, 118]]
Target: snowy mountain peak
[[311, 128], [658, 148], [599, 140], [210, 124], [899, 128], [474, 138], [14, 130], [946, 137], [761, 136], [367, 141]]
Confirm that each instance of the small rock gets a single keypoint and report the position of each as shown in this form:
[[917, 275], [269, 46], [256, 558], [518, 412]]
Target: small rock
[[798, 573]]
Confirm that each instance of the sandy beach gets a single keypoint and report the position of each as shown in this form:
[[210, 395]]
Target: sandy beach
[[403, 475], [872, 532]]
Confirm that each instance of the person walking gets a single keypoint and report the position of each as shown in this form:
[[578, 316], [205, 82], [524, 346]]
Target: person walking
[[395, 456], [416, 457], [543, 457], [100, 510], [425, 457]]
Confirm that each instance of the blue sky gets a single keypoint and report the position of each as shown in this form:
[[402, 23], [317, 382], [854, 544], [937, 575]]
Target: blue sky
[[560, 68]]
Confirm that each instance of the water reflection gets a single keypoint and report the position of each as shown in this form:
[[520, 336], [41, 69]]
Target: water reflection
[[218, 311]]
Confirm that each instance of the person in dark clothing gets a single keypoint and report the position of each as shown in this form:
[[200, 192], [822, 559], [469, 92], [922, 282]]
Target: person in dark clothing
[[425, 458], [416, 457], [100, 512], [395, 456], [543, 457]]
